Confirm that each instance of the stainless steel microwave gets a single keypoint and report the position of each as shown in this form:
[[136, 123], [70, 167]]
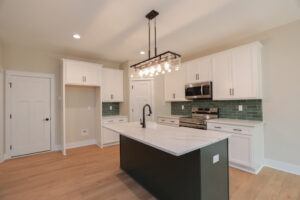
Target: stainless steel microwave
[[198, 91]]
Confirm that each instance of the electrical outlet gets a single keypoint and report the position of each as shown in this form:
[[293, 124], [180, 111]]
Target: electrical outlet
[[84, 132], [216, 158], [240, 107], [110, 107], [182, 107]]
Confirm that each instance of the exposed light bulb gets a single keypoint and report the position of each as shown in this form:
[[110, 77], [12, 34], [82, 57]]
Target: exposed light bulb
[[167, 66], [131, 76], [158, 68], [169, 70], [152, 70], [146, 72], [163, 72], [176, 68], [141, 73], [151, 75], [156, 73]]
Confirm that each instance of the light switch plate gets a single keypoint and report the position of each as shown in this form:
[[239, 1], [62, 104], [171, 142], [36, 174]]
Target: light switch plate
[[240, 107], [182, 107], [216, 158], [110, 107]]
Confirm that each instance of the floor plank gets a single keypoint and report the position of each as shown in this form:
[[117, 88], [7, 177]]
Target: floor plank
[[89, 173]]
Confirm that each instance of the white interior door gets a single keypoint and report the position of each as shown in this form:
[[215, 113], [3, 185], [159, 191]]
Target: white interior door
[[30, 114], [141, 94]]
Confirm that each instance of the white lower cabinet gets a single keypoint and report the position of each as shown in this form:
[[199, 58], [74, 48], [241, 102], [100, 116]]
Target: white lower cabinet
[[245, 147], [110, 137]]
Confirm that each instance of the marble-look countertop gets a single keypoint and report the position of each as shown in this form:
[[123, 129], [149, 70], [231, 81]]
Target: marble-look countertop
[[237, 122], [173, 140], [172, 116], [114, 116]]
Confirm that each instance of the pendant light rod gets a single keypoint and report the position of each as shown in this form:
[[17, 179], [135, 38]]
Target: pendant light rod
[[155, 37], [149, 50], [156, 58]]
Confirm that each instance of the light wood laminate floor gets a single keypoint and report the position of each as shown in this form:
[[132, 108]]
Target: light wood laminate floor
[[94, 173]]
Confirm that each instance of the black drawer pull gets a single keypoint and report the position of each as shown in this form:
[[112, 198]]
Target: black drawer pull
[[218, 127], [237, 129]]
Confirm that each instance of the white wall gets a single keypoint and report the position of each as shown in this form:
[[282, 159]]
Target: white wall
[[45, 61], [1, 107]]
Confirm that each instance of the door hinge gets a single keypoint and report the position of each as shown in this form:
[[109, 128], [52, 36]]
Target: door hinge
[[10, 147], [10, 116], [10, 84], [132, 87]]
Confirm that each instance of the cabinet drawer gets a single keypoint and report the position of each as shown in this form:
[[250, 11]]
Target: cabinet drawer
[[108, 121], [230, 128], [168, 121], [120, 120]]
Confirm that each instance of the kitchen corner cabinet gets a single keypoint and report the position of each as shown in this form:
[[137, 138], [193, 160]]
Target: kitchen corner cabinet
[[112, 85], [246, 145], [174, 83], [237, 73], [82, 73], [199, 70]]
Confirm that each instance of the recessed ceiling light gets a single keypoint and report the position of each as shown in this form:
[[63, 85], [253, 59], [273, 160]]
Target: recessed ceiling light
[[142, 52], [76, 36]]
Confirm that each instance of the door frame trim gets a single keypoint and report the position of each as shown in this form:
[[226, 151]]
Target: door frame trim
[[130, 95], [8, 75]]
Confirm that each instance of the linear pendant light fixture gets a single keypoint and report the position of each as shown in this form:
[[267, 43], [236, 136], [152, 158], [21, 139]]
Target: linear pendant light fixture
[[158, 64]]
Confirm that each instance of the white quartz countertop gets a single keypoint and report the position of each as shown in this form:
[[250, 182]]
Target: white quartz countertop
[[173, 140], [172, 116], [114, 116], [236, 122]]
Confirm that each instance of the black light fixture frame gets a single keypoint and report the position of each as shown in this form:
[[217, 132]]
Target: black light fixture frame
[[150, 16]]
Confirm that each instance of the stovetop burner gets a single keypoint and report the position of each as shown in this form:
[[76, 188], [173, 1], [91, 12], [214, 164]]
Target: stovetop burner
[[199, 117]]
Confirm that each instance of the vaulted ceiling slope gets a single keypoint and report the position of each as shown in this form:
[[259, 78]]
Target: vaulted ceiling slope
[[117, 30]]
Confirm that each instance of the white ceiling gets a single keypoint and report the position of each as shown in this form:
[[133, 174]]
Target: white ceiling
[[117, 30]]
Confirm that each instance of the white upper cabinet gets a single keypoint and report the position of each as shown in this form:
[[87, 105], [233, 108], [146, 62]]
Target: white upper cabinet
[[222, 76], [246, 72], [237, 73], [199, 70], [112, 85], [82, 73], [175, 85]]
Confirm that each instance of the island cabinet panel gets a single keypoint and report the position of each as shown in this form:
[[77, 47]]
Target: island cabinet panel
[[191, 176]]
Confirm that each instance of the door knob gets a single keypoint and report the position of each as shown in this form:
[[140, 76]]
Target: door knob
[[46, 119]]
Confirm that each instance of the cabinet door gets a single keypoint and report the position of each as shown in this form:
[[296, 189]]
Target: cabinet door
[[243, 70], [205, 69], [175, 85], [112, 85], [74, 73], [222, 75], [192, 71], [108, 136], [92, 73], [240, 149], [118, 86]]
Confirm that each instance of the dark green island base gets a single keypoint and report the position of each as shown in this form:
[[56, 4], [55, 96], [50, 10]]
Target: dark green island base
[[187, 177]]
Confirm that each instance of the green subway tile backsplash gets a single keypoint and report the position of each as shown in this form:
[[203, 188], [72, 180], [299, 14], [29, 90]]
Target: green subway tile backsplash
[[252, 109], [115, 109]]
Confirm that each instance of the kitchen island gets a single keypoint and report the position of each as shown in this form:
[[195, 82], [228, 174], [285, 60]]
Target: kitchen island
[[175, 162]]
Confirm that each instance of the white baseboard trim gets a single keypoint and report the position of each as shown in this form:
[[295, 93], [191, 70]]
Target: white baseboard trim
[[57, 148], [6, 157], [283, 166], [81, 143]]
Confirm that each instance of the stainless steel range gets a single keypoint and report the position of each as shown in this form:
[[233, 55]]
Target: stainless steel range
[[199, 117]]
